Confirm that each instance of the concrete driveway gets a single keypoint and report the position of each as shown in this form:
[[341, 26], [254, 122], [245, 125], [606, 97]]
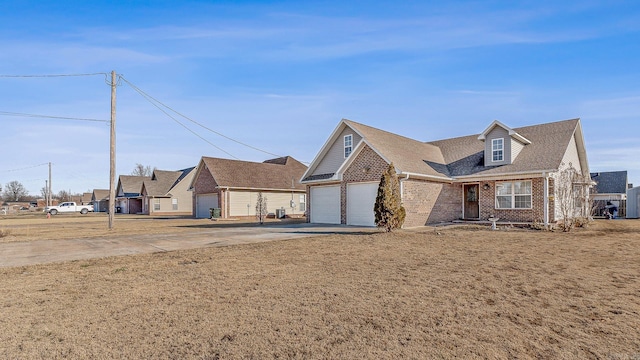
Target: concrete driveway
[[49, 251]]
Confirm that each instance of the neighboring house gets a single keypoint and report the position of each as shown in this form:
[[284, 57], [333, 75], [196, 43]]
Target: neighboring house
[[167, 193], [502, 172], [633, 201], [232, 186], [128, 196], [100, 200], [86, 198], [611, 188]]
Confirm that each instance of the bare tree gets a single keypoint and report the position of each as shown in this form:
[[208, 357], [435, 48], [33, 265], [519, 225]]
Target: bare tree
[[14, 191], [261, 208], [141, 170], [572, 196], [63, 195]]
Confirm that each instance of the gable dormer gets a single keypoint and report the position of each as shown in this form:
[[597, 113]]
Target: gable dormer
[[501, 144]]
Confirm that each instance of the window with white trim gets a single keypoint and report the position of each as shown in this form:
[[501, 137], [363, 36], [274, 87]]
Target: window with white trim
[[156, 204], [513, 195], [497, 150], [303, 202], [174, 204], [348, 145]]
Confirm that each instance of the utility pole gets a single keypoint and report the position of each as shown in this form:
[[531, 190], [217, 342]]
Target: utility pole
[[112, 153], [49, 187]]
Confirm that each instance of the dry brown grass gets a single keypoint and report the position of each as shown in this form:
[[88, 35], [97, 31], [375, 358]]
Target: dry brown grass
[[30, 227], [425, 294]]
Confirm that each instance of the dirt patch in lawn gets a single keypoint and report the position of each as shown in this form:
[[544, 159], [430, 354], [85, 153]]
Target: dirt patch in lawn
[[420, 294]]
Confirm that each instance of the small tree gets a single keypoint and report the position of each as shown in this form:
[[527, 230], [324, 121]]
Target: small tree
[[573, 198], [261, 208], [388, 210]]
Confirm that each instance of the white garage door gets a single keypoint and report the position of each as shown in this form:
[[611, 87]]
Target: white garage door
[[325, 205], [361, 198], [204, 203]]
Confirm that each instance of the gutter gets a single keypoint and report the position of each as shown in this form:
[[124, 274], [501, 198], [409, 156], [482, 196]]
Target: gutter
[[427, 177], [258, 189], [513, 175]]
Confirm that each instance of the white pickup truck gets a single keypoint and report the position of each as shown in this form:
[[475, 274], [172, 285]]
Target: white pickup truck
[[68, 207]]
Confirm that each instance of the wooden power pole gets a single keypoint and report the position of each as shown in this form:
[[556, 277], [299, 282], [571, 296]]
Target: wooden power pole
[[49, 188], [112, 153]]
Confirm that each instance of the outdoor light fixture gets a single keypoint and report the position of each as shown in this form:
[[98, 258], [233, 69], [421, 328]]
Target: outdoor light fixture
[[366, 169], [486, 186]]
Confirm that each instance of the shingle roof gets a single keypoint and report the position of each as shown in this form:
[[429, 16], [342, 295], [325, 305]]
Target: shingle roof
[[132, 185], [271, 174], [162, 181], [549, 142], [407, 155], [86, 197], [611, 182], [100, 194]]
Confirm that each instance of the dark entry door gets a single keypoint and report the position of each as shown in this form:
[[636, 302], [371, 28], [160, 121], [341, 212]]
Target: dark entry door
[[471, 203]]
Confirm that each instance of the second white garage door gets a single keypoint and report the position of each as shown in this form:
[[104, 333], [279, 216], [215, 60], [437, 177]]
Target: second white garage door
[[325, 205], [361, 197]]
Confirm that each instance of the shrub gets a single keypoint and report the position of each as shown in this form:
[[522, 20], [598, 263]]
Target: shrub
[[389, 213]]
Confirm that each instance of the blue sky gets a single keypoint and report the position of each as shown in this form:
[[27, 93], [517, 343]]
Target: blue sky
[[280, 75]]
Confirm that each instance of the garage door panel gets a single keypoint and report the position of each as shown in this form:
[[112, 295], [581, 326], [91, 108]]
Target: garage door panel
[[361, 198], [325, 205], [204, 203]]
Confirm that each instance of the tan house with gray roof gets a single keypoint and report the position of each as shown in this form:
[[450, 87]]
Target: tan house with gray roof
[[502, 172], [232, 186], [167, 193]]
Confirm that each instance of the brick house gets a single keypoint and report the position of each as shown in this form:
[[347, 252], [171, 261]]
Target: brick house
[[233, 186], [502, 172]]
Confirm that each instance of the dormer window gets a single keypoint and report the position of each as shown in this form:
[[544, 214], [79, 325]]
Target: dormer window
[[348, 145], [497, 150]]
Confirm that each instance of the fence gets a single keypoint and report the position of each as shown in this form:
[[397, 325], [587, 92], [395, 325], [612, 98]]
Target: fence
[[601, 205]]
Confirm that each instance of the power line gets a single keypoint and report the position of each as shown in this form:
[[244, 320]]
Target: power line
[[144, 95], [7, 113], [25, 168], [50, 75], [149, 98]]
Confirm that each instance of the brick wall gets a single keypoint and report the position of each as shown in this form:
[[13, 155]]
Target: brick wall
[[428, 202], [367, 166], [535, 214], [205, 184]]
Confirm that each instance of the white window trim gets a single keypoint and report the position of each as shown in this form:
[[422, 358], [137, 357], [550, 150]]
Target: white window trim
[[174, 204], [156, 202], [493, 143], [513, 195], [350, 146]]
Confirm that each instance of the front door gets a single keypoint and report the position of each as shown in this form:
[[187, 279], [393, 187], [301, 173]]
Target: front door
[[471, 203]]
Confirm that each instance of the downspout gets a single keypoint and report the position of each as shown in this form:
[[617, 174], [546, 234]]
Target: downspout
[[545, 175], [226, 203], [406, 177]]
